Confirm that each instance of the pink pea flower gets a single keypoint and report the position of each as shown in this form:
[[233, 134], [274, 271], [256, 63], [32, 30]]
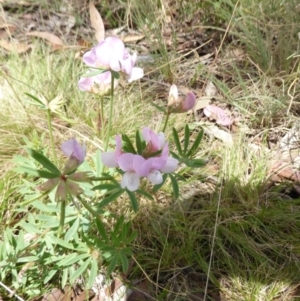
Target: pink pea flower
[[155, 142], [110, 159], [175, 105], [134, 170], [109, 54], [76, 154]]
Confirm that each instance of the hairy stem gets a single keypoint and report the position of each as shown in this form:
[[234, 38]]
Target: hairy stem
[[49, 120]]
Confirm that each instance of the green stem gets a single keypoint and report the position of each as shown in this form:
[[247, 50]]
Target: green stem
[[89, 208], [111, 104], [62, 218], [166, 121], [102, 118], [51, 135]]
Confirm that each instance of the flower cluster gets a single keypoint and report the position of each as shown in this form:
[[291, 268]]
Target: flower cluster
[[111, 56], [151, 163], [65, 183]]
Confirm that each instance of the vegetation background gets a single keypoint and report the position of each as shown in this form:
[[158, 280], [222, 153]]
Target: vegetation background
[[233, 232]]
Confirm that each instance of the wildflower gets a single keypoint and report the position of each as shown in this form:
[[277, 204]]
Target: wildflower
[[76, 154], [66, 182], [218, 114], [133, 167], [110, 159], [110, 55], [176, 105]]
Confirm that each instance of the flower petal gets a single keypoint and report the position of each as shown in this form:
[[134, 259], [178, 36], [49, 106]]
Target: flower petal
[[189, 102], [136, 73], [72, 148], [130, 180], [109, 159], [173, 93], [155, 177], [170, 165]]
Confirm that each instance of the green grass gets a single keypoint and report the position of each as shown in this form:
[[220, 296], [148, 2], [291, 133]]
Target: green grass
[[237, 236]]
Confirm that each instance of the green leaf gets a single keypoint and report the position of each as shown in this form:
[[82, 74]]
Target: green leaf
[[174, 186], [193, 162], [72, 230], [93, 273], [113, 263], [35, 172], [196, 144], [30, 228], [101, 230], [27, 259], [176, 141], [110, 198], [49, 276], [125, 262], [140, 144], [145, 194], [158, 107], [39, 102], [186, 138], [128, 147], [106, 186], [133, 201], [158, 186], [71, 259], [45, 162], [79, 271], [64, 277]]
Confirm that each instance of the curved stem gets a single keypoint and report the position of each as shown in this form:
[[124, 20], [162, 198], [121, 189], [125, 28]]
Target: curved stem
[[51, 135], [166, 121], [111, 104]]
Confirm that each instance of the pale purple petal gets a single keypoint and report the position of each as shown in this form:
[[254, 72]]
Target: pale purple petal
[[189, 102], [85, 84], [90, 58], [162, 139], [109, 159], [170, 165], [115, 64], [130, 180], [155, 177], [136, 73], [72, 148], [146, 134], [218, 114], [118, 146], [158, 162], [130, 162]]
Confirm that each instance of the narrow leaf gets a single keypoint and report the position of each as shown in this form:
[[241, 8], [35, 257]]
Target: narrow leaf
[[196, 144], [112, 264], [174, 186], [35, 172], [101, 230], [106, 186], [45, 162], [79, 271], [72, 230], [35, 99], [125, 262], [93, 273], [133, 201], [128, 144], [110, 198], [186, 138], [176, 141], [158, 107], [145, 194], [193, 162], [140, 145]]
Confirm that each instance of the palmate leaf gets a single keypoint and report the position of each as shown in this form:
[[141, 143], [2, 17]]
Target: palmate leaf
[[45, 162]]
